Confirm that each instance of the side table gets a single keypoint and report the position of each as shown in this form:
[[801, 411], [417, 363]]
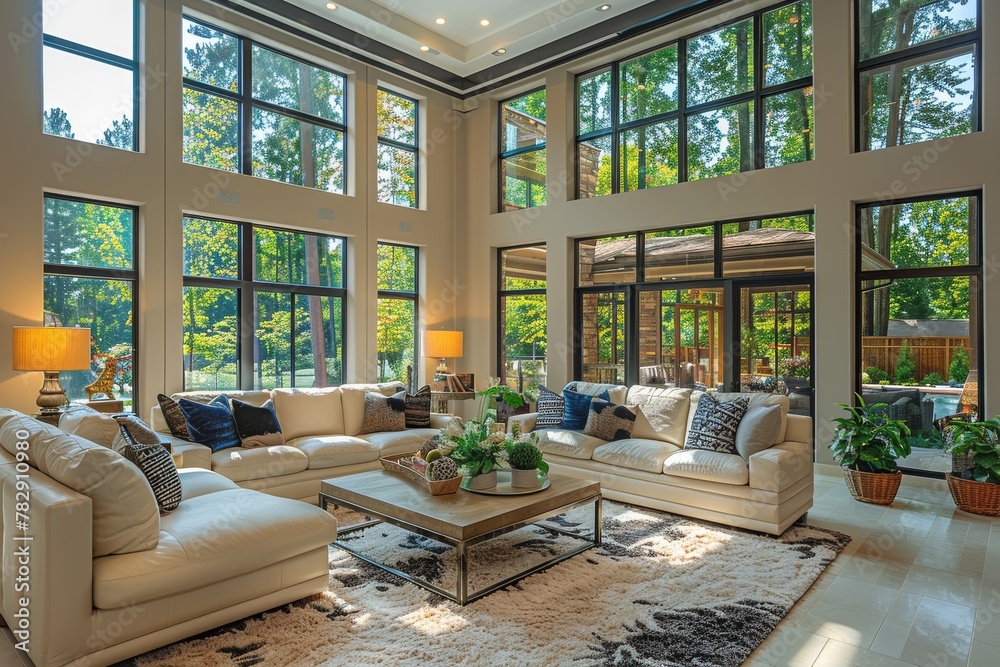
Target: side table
[[439, 399]]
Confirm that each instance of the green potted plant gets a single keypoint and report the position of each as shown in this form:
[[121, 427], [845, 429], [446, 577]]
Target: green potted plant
[[795, 373], [478, 448], [525, 459], [867, 445], [976, 489], [500, 402]]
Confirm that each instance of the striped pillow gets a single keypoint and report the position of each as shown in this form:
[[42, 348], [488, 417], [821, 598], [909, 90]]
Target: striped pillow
[[156, 464], [418, 408], [550, 409], [135, 431], [174, 417]]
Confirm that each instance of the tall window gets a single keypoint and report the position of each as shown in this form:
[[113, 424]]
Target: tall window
[[396, 336], [90, 281], [522, 152], [522, 317], [729, 100], [253, 110], [398, 155], [920, 329], [91, 72], [918, 71], [263, 307]]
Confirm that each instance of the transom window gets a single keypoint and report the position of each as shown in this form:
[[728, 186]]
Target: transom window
[[253, 110], [522, 152], [398, 283], [91, 72], [263, 307], [733, 99], [398, 153]]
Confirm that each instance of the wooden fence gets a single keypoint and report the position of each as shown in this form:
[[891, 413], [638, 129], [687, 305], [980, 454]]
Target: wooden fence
[[933, 354]]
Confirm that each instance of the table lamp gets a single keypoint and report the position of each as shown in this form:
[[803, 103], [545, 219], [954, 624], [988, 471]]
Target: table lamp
[[443, 344], [969, 402], [51, 350]]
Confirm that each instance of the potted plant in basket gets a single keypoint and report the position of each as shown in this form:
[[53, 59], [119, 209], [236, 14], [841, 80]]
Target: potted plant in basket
[[500, 402], [525, 459], [976, 489], [867, 445], [479, 449]]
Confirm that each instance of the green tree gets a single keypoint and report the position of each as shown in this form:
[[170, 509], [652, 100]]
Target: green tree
[[906, 364]]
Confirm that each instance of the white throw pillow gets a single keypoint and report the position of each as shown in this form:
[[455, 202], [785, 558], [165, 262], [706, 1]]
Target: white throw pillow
[[662, 413], [303, 412], [758, 430], [89, 424], [756, 400]]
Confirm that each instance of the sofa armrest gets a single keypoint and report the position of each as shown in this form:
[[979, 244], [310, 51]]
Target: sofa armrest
[[58, 561], [441, 420], [194, 455], [527, 421], [781, 466]]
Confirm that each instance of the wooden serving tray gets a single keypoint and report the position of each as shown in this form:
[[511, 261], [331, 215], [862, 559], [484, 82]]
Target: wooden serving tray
[[443, 487]]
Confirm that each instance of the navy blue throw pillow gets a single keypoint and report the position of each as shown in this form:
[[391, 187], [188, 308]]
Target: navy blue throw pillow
[[211, 424], [577, 409]]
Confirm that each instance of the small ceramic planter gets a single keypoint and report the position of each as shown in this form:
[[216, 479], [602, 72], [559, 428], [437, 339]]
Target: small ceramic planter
[[485, 481], [524, 479]]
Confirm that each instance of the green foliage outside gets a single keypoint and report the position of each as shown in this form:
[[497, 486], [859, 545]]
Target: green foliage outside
[[958, 370], [396, 329], [906, 364]]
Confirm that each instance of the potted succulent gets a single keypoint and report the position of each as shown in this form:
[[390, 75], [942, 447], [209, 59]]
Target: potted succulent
[[525, 459], [479, 449], [867, 445], [500, 402], [976, 489]]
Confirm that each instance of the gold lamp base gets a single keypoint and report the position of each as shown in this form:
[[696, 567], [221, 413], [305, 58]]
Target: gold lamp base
[[51, 397]]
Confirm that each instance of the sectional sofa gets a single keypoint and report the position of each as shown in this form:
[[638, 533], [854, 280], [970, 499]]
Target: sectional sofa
[[767, 491]]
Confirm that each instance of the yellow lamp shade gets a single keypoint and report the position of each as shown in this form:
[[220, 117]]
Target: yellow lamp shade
[[443, 344], [51, 349]]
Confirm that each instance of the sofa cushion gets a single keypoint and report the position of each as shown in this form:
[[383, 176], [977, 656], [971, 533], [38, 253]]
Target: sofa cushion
[[616, 392], [755, 399], [173, 416], [714, 425], [197, 482], [636, 454], [240, 465], [400, 442], [330, 451], [211, 538], [89, 424], [309, 411], [257, 426], [156, 465], [758, 430], [251, 396], [418, 408], [211, 424], [708, 465], [662, 413], [126, 517], [353, 399], [571, 444], [550, 409], [609, 421], [384, 413], [576, 408]]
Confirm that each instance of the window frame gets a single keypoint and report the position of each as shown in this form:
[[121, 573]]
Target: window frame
[[247, 103], [247, 287], [517, 152], [107, 58], [402, 295], [935, 47], [683, 112], [107, 273], [501, 292], [414, 148]]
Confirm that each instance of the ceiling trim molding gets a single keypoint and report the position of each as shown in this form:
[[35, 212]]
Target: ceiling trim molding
[[301, 23]]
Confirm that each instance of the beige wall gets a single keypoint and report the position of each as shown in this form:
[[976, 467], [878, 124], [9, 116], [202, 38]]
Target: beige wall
[[165, 189], [831, 185]]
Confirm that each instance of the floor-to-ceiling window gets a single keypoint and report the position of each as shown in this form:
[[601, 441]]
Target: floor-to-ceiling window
[[397, 269], [522, 316], [263, 307]]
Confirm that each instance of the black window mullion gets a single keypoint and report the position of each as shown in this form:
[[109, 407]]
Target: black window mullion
[[210, 89], [681, 106], [615, 138], [246, 106], [298, 115], [246, 305], [90, 52], [758, 84]]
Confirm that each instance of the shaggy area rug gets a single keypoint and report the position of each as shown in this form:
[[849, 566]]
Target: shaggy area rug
[[661, 590]]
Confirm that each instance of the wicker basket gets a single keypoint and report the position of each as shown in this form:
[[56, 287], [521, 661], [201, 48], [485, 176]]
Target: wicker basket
[[877, 488], [975, 497], [441, 488]]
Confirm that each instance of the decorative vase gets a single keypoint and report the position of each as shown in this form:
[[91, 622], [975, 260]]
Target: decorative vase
[[877, 488], [975, 497], [485, 481], [524, 479]]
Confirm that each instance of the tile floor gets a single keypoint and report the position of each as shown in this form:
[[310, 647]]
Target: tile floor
[[919, 585]]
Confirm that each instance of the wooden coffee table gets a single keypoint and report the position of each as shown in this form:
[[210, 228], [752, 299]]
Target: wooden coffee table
[[459, 520]]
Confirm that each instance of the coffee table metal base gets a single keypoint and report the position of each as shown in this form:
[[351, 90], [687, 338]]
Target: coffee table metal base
[[462, 595]]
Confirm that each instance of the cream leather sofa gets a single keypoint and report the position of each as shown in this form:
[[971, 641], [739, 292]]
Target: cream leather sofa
[[767, 493], [104, 577], [321, 439]]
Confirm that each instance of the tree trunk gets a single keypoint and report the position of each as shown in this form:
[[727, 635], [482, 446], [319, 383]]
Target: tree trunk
[[743, 110], [316, 314]]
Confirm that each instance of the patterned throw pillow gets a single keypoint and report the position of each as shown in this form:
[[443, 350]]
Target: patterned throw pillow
[[715, 424], [418, 408], [257, 426], [609, 421], [550, 409], [174, 417], [135, 431], [576, 409], [211, 424], [155, 463], [384, 413]]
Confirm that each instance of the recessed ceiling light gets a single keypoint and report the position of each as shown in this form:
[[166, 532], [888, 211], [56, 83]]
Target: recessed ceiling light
[[425, 48], [440, 21], [500, 52], [604, 8], [331, 5], [484, 22]]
